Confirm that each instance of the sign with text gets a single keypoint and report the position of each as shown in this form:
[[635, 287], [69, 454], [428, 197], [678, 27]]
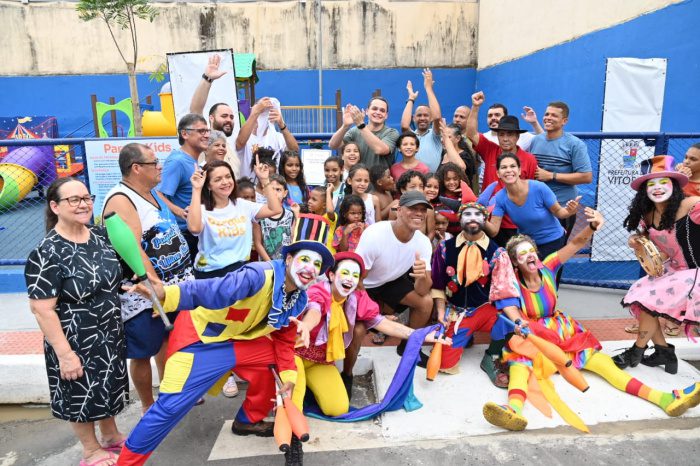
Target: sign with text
[[102, 158], [313, 160]]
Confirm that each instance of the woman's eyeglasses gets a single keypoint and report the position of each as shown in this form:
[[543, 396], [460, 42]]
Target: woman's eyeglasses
[[74, 201]]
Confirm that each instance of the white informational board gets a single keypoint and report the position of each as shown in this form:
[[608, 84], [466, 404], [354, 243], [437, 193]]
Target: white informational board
[[634, 94], [313, 160], [186, 71], [102, 158]]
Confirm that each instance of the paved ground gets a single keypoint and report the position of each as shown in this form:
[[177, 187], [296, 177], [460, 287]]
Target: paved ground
[[448, 430]]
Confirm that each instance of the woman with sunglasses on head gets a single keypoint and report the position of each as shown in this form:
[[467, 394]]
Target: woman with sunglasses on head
[[73, 279]]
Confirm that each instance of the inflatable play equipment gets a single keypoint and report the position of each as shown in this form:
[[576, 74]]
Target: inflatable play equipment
[[22, 169], [160, 123]]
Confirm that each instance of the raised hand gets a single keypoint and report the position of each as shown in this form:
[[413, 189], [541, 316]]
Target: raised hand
[[262, 170], [680, 168], [594, 218], [428, 79], [412, 95], [276, 117], [529, 115], [478, 98], [212, 70], [358, 116], [260, 107], [197, 178], [572, 205], [347, 116]]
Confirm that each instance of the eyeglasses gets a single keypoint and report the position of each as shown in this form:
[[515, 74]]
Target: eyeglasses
[[155, 164], [74, 201], [201, 131]]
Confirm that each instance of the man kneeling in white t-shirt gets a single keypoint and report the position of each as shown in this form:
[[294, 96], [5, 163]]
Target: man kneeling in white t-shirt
[[397, 259]]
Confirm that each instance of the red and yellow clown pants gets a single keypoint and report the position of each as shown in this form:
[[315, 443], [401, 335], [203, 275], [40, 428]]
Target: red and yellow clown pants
[[189, 373], [482, 320]]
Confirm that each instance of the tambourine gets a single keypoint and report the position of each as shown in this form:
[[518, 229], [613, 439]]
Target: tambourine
[[649, 257]]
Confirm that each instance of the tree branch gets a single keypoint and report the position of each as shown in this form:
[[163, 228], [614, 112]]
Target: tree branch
[[111, 33]]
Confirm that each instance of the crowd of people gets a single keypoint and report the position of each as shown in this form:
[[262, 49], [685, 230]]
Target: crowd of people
[[454, 226]]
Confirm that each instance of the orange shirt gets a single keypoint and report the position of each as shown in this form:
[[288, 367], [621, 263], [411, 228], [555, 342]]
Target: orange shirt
[[692, 188]]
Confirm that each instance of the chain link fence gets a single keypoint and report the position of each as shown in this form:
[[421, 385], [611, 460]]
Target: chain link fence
[[27, 167]]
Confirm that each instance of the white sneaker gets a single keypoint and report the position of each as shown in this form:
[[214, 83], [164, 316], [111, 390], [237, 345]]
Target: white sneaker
[[230, 389]]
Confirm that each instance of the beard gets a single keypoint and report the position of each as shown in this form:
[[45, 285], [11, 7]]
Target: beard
[[472, 228]]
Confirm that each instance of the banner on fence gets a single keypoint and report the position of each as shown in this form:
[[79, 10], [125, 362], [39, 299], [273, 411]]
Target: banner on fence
[[634, 90], [102, 158]]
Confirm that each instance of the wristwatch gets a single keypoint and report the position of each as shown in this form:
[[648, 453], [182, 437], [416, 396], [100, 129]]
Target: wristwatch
[[207, 78], [361, 126]]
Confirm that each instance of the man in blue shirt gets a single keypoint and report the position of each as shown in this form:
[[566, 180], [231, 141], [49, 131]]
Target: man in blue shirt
[[562, 158], [175, 187], [427, 120]]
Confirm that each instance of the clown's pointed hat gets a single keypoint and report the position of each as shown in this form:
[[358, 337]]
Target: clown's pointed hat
[[311, 232]]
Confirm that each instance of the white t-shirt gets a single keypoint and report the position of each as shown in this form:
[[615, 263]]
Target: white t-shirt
[[524, 141], [272, 139], [386, 258], [227, 236]]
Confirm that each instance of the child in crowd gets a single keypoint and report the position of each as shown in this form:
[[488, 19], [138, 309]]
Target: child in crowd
[[351, 224], [245, 189], [333, 170], [266, 156], [292, 169], [384, 187], [321, 203], [441, 224], [271, 234], [350, 153], [432, 190], [453, 186], [358, 183], [408, 144]]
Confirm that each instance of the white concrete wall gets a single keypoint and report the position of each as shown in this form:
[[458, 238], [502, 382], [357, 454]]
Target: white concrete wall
[[49, 38], [509, 29]]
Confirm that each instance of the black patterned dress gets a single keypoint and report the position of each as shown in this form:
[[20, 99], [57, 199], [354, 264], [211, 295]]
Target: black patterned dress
[[85, 279]]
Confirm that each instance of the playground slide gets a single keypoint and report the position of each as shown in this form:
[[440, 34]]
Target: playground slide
[[22, 169]]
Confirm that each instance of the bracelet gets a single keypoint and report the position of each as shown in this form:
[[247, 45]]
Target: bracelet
[[554, 176], [361, 126], [518, 321], [282, 129], [592, 227], [207, 78], [411, 100]]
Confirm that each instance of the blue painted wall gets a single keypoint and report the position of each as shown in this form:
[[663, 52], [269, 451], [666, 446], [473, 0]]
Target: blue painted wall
[[68, 97], [575, 71]]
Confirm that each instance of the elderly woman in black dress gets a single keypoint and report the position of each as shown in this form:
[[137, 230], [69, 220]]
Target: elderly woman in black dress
[[72, 281]]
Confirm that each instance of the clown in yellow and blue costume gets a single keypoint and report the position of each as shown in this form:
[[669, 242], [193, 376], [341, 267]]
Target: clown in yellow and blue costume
[[241, 322]]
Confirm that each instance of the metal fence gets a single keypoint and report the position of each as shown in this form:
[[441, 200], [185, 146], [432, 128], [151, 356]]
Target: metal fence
[[28, 166]]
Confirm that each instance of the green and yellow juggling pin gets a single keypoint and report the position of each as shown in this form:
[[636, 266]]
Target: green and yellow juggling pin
[[123, 241]]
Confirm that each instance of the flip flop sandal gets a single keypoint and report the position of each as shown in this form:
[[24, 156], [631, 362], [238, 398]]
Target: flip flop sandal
[[672, 331], [115, 447], [634, 328], [101, 461], [378, 338]]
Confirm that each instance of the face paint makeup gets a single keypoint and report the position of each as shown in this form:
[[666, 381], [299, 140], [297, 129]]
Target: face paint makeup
[[305, 267], [347, 277], [526, 255], [472, 220], [659, 189]]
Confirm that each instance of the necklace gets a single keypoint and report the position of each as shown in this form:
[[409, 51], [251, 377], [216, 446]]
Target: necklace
[[293, 297]]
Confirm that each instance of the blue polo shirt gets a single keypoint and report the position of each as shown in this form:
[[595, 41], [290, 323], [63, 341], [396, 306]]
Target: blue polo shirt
[[565, 154], [430, 150], [175, 181]]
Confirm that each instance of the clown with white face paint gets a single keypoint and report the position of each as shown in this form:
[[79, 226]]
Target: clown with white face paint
[[335, 308], [527, 295], [661, 213], [243, 322], [461, 284]]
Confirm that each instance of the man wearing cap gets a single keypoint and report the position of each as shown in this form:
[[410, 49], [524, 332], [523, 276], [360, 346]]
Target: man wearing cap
[[562, 159], [397, 257], [461, 277], [242, 321], [508, 131]]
